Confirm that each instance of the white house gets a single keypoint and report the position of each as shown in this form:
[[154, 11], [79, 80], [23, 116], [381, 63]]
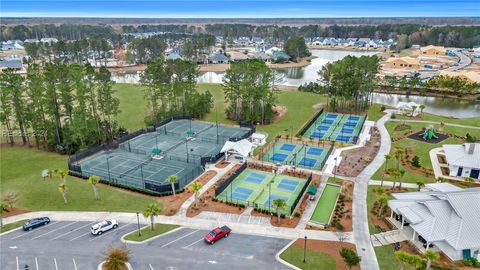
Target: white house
[[463, 159], [271, 50], [445, 219]]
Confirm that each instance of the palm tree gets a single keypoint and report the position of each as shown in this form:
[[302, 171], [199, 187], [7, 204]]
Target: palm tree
[[431, 256], [60, 173], [93, 180], [402, 174], [279, 205], [151, 212], [196, 186], [403, 257], [387, 158], [413, 109], [396, 176], [398, 155], [3, 210], [382, 200], [422, 107], [63, 190], [172, 179], [116, 258], [420, 184]]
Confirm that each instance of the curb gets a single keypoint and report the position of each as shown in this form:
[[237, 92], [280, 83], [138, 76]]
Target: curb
[[149, 239], [129, 266], [10, 231], [280, 260]]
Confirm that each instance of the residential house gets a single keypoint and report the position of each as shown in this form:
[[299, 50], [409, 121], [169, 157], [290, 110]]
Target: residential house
[[237, 56], [471, 76], [463, 159], [49, 40], [263, 56], [14, 64], [433, 50], [243, 41], [257, 41], [403, 62], [173, 56], [31, 40], [280, 56], [263, 48], [218, 59], [444, 218], [271, 50]]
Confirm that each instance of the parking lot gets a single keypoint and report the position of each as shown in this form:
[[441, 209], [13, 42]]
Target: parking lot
[[70, 245]]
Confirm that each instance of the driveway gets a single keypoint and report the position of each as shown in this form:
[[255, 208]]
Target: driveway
[[69, 245]]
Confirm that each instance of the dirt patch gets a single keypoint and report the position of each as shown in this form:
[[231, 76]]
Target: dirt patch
[[402, 127], [222, 164], [13, 212], [207, 202], [173, 204], [329, 247], [280, 112], [356, 160]]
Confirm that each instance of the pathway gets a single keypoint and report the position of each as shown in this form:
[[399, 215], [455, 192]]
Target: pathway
[[433, 122], [195, 223], [359, 212], [390, 184], [388, 238], [220, 172]]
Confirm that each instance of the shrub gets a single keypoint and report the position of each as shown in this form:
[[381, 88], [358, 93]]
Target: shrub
[[339, 226], [416, 162]]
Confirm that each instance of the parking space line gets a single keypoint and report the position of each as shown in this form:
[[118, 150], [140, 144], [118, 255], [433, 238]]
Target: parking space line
[[73, 231], [180, 238], [17, 262], [150, 266], [32, 231], [74, 264], [80, 236], [55, 261], [54, 230], [99, 236], [36, 262], [193, 243]]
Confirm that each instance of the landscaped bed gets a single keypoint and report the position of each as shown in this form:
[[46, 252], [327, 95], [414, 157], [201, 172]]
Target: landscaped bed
[[324, 209], [12, 226], [147, 232]]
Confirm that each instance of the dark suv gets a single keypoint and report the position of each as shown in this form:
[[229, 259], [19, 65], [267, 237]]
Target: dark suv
[[36, 222]]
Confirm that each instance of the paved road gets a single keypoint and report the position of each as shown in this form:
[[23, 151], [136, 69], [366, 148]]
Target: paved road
[[361, 234], [69, 245], [462, 63]]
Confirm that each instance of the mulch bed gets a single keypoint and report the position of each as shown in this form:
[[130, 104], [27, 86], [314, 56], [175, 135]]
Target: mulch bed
[[173, 204], [222, 164], [356, 160], [13, 212], [331, 248], [417, 136]]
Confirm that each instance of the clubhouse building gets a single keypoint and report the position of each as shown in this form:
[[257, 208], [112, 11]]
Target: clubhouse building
[[442, 217], [463, 159]]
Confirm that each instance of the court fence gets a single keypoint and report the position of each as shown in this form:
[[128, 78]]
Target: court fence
[[300, 195], [355, 138], [221, 187]]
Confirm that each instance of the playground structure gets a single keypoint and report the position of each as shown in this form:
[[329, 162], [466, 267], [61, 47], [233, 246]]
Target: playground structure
[[429, 134]]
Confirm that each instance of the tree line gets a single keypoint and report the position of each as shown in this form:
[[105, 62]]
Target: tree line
[[455, 85], [250, 91], [451, 36], [64, 108], [171, 88]]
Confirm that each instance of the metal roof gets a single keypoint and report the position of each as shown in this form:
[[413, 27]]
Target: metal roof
[[457, 155], [11, 64]]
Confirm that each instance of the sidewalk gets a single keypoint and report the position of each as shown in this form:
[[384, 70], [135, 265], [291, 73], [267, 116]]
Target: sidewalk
[[220, 172], [390, 184], [195, 223]]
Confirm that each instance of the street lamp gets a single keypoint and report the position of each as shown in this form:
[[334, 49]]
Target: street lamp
[[335, 169], [305, 249], [138, 224]]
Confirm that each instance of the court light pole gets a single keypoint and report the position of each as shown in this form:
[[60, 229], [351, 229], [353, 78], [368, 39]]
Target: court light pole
[[305, 249], [335, 169], [108, 168], [270, 194], [138, 224], [141, 172]]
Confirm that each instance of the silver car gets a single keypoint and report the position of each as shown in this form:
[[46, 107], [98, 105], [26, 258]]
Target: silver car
[[103, 226]]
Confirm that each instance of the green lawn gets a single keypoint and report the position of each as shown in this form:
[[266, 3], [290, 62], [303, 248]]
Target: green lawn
[[11, 226], [21, 173], [133, 107], [473, 121], [146, 232], [326, 204], [374, 112], [387, 260], [314, 260]]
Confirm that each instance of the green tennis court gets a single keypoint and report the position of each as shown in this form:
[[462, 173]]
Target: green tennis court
[[259, 189], [300, 155], [326, 205], [336, 127]]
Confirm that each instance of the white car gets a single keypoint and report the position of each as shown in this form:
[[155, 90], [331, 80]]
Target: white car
[[104, 226]]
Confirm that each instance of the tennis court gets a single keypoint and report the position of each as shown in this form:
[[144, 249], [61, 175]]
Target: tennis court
[[326, 204], [300, 155], [259, 189], [336, 127], [147, 160]]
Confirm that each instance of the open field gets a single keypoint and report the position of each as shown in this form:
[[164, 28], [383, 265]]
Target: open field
[[23, 176]]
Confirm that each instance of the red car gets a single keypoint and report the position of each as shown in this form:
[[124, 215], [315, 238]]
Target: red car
[[217, 234]]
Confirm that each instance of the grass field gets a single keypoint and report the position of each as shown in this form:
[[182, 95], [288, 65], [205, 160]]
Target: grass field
[[314, 259], [473, 121], [326, 204], [147, 233], [23, 176], [12, 226], [254, 187]]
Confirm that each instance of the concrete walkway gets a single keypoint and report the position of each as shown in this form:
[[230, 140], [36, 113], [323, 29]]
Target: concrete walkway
[[195, 223], [390, 184], [433, 122], [359, 212], [220, 172]]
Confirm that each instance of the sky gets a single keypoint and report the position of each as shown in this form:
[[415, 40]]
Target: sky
[[239, 9]]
